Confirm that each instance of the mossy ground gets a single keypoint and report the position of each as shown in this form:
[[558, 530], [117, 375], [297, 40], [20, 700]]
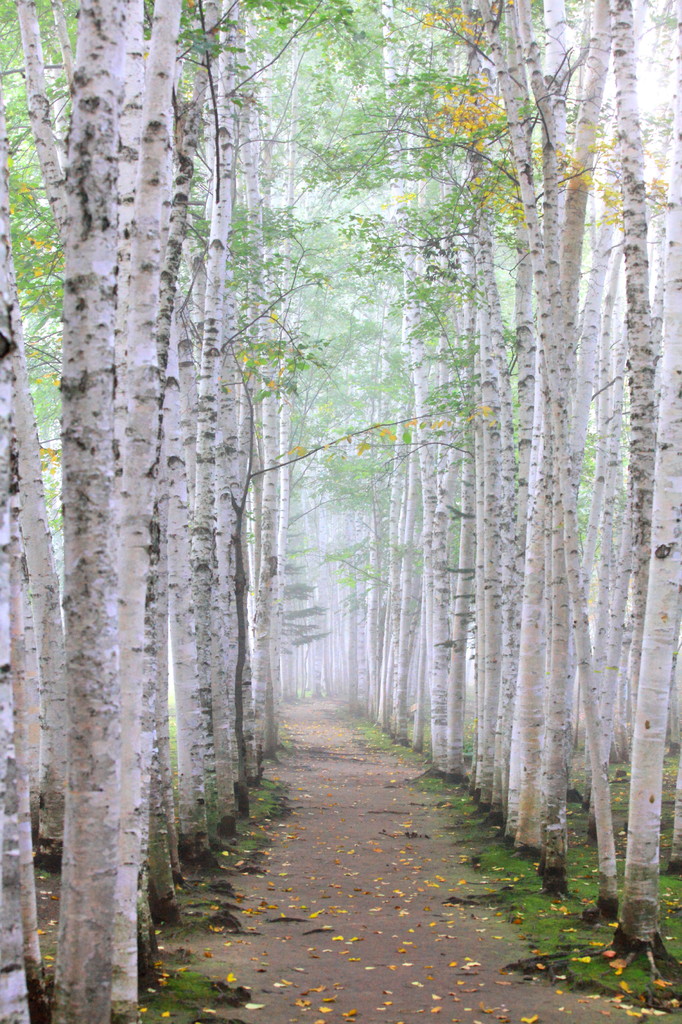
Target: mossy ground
[[379, 740], [190, 998], [569, 949]]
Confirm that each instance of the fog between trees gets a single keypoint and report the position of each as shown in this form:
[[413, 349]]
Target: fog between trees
[[340, 352]]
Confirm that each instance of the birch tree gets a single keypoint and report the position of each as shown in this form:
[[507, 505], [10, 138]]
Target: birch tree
[[45, 592], [140, 456], [639, 921], [84, 963], [13, 994]]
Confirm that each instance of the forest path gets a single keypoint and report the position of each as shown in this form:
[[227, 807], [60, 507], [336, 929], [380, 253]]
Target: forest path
[[360, 869]]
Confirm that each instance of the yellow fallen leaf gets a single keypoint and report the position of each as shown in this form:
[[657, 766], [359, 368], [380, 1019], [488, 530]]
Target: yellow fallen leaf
[[625, 987], [530, 1020], [582, 959], [231, 977], [166, 1013]]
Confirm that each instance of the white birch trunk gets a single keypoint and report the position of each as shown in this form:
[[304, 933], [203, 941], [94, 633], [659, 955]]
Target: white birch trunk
[[27, 888], [400, 698], [524, 812], [491, 546], [267, 563], [373, 601], [456, 770], [45, 599], [204, 524], [158, 891], [641, 354], [39, 113], [90, 864], [639, 920], [130, 129], [441, 638], [229, 487], [13, 988], [193, 830], [283, 513], [64, 39], [32, 698], [140, 458], [13, 995]]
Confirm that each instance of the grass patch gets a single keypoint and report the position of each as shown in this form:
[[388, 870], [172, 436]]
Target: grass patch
[[185, 996], [375, 739]]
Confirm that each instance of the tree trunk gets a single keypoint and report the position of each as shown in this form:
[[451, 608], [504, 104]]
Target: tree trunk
[[90, 865], [13, 996], [33, 964], [140, 458], [193, 829], [639, 921]]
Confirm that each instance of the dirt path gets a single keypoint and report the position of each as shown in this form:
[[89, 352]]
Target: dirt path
[[348, 922]]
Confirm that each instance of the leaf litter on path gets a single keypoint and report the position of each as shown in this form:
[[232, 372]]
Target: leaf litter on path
[[397, 955]]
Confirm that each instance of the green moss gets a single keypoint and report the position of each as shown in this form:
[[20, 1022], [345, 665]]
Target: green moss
[[184, 994], [376, 739]]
